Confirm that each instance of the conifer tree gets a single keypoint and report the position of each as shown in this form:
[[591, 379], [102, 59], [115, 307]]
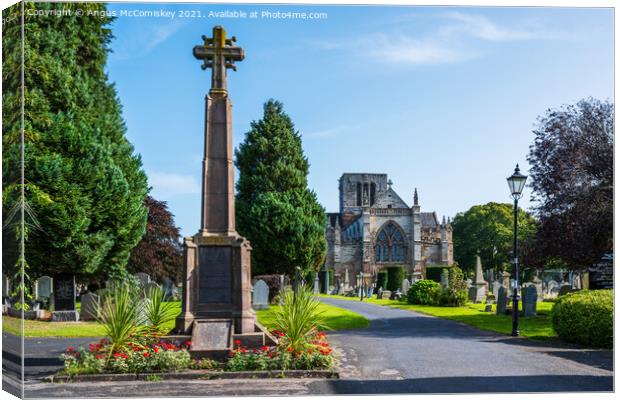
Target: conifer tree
[[83, 183], [275, 209]]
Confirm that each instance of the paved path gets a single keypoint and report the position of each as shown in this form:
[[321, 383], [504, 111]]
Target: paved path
[[401, 352], [429, 354]]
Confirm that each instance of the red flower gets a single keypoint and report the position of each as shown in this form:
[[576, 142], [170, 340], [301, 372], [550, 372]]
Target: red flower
[[136, 349], [309, 351], [146, 354], [99, 356], [70, 349], [156, 349], [265, 348], [237, 342], [289, 349], [188, 343], [117, 354], [124, 356]]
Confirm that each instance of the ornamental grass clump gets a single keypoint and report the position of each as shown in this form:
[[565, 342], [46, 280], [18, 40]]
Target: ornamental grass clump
[[298, 319], [119, 314], [158, 312]]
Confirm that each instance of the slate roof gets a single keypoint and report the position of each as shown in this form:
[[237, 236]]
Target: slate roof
[[429, 219]]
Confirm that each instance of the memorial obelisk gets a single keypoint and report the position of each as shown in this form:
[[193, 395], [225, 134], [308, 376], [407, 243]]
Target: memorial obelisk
[[217, 286]]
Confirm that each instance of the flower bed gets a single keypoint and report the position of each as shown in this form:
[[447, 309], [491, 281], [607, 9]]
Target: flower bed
[[317, 355], [147, 355]]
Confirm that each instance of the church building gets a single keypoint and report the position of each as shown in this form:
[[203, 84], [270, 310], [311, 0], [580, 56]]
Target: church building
[[376, 229]]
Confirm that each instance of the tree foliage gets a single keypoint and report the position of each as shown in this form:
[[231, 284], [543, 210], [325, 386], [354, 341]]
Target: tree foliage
[[83, 184], [159, 252], [275, 209], [572, 182], [488, 230]]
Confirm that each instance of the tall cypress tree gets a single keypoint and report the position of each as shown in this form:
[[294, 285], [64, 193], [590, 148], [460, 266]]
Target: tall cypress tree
[[275, 209], [84, 185]]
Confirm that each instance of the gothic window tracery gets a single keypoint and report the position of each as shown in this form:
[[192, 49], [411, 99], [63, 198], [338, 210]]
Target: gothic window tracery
[[390, 244]]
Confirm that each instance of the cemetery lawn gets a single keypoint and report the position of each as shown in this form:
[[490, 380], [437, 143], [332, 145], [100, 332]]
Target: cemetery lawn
[[334, 318], [35, 328], [538, 327]]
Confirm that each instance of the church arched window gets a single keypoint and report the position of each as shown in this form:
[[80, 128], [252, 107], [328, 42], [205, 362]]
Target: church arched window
[[390, 244]]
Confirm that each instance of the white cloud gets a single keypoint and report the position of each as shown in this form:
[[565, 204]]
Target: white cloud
[[167, 184], [481, 27], [410, 50]]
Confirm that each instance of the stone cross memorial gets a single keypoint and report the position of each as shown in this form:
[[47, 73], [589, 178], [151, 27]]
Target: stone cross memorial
[[217, 283]]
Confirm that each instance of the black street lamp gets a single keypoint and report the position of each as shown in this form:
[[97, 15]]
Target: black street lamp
[[516, 183]]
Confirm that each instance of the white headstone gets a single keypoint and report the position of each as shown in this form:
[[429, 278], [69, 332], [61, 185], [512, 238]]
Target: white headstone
[[495, 287], [316, 288], [44, 284], [6, 286], [405, 285], [260, 295]]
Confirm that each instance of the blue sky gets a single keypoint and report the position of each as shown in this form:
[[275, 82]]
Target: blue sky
[[440, 98]]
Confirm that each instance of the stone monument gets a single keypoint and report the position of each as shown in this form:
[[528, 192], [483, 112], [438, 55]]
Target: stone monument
[[479, 283], [316, 289], [216, 301], [529, 301], [502, 301]]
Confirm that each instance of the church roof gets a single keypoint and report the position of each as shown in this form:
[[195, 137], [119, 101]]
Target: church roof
[[429, 219], [344, 219], [389, 197]]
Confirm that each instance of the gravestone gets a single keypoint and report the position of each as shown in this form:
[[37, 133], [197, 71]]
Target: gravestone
[[502, 300], [495, 287], [564, 289], [217, 272], [347, 285], [506, 279], [6, 286], [386, 294], [44, 287], [552, 288], [472, 293], [316, 289], [469, 282], [169, 288], [601, 274], [64, 298], [143, 278], [405, 286], [146, 290], [281, 289], [88, 312], [260, 295], [529, 301]]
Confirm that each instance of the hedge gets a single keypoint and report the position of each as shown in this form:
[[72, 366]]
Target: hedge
[[395, 276], [585, 317]]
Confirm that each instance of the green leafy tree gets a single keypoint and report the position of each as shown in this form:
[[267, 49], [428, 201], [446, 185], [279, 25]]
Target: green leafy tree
[[275, 209], [488, 230], [83, 182]]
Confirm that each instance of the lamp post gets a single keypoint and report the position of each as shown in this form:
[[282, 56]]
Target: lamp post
[[516, 183]]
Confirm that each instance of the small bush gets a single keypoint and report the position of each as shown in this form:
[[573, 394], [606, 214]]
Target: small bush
[[585, 317], [395, 276], [382, 280], [425, 292]]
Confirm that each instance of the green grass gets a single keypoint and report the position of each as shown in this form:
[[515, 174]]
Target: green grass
[[334, 318], [62, 329], [538, 327]]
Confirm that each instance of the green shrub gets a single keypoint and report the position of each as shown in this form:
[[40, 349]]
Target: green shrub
[[455, 295], [382, 279], [158, 312], [585, 317], [425, 292], [395, 276]]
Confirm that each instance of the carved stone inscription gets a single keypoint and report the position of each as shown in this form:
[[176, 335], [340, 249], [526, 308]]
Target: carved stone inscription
[[214, 265]]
